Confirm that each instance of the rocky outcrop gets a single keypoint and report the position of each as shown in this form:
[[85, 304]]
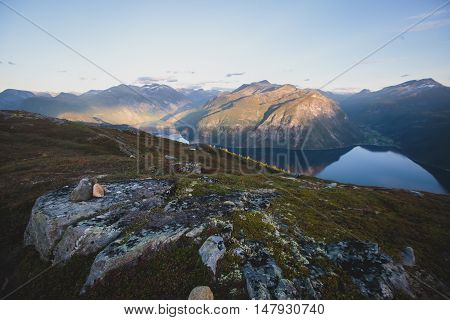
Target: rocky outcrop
[[373, 272], [264, 278], [121, 230], [127, 251], [53, 214]]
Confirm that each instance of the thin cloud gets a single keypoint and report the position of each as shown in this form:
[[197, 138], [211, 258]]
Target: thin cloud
[[346, 89], [149, 80], [234, 74], [83, 78], [307, 79], [425, 14], [62, 71], [11, 63], [404, 75], [210, 84]]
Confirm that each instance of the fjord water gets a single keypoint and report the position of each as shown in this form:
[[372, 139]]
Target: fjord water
[[361, 165]]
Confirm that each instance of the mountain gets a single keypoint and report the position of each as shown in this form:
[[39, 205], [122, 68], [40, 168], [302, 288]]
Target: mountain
[[263, 114], [122, 104], [415, 114], [11, 98]]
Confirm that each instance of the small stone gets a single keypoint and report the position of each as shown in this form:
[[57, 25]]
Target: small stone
[[417, 193], [201, 293], [331, 185], [239, 252], [408, 257], [83, 191], [98, 191], [229, 203]]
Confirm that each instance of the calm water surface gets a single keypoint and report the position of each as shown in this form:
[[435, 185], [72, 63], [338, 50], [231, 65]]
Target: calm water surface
[[368, 166]]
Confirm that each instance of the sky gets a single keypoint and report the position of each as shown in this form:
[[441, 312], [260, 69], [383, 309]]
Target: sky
[[221, 44]]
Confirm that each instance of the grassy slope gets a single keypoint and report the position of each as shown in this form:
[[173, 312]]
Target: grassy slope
[[40, 155]]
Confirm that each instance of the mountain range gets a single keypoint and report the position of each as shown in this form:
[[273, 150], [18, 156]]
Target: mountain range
[[122, 104], [414, 116]]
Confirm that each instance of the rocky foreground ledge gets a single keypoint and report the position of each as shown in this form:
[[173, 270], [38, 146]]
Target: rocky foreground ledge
[[133, 219]]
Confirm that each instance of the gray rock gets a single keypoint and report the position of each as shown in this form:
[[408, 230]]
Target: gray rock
[[264, 279], [226, 232], [239, 252], [195, 231], [373, 272], [83, 191], [331, 185], [187, 167], [285, 290], [211, 251], [53, 213], [408, 257], [87, 236], [308, 289], [126, 251]]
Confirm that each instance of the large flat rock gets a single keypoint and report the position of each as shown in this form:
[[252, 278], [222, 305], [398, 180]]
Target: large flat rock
[[53, 213]]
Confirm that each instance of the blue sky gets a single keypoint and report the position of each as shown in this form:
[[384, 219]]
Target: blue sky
[[221, 43]]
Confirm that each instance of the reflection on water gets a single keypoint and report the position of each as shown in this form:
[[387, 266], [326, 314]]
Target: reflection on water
[[369, 166]]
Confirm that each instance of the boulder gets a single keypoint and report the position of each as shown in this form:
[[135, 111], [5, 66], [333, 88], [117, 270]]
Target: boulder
[[201, 293], [83, 191], [211, 251], [53, 213], [98, 191]]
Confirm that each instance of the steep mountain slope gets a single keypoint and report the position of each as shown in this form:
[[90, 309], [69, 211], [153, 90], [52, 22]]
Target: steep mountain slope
[[131, 105], [415, 114], [264, 114]]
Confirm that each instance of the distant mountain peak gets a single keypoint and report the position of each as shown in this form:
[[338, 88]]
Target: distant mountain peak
[[260, 85], [428, 82]]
